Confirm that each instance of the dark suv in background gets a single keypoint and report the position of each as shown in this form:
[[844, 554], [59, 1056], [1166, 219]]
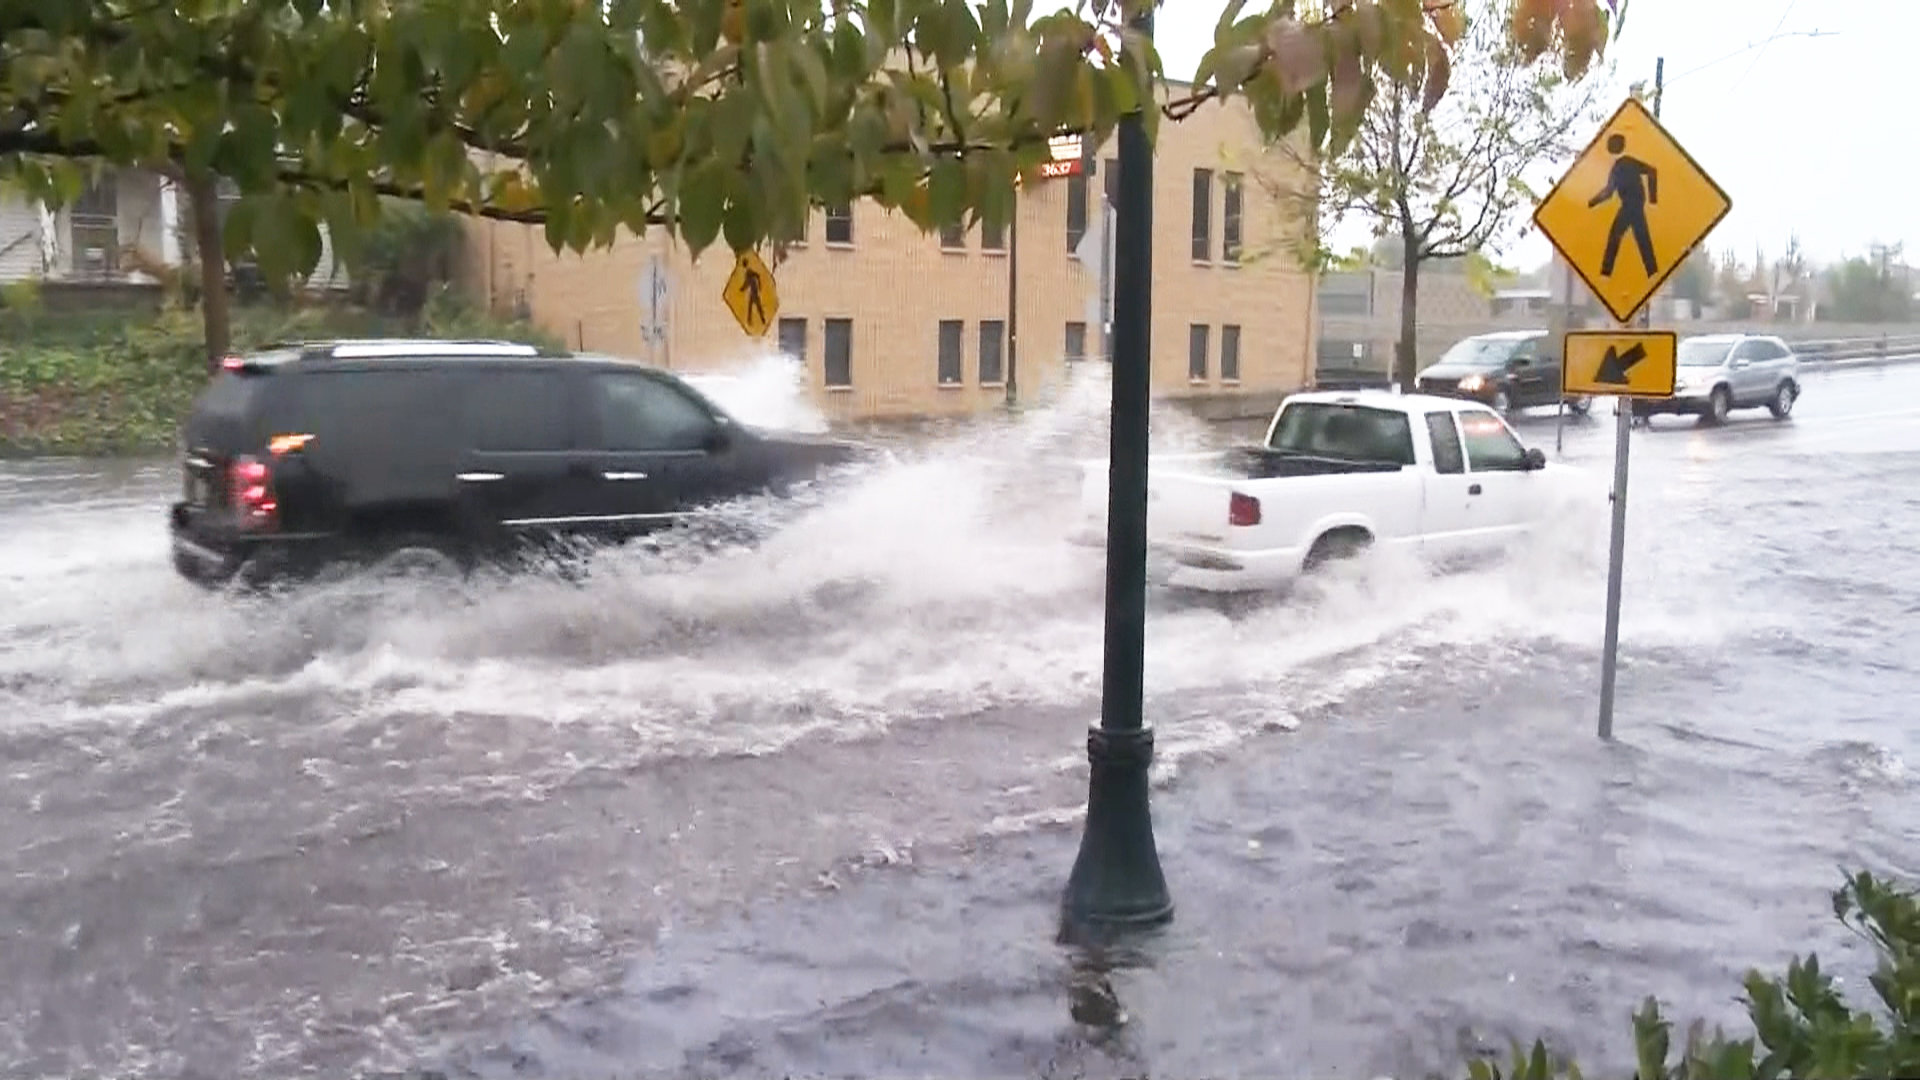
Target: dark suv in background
[[441, 455], [1504, 370]]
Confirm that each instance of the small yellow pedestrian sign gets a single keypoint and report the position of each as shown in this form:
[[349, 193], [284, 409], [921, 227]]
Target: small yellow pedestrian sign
[[1630, 210], [1619, 363], [750, 294]]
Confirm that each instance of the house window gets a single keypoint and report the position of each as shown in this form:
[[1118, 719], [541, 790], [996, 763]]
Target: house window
[[1230, 354], [953, 237], [94, 228], [840, 224], [993, 352], [951, 343], [839, 366], [1230, 236], [993, 237], [1197, 353], [1076, 211], [1202, 215], [1076, 342], [793, 338]]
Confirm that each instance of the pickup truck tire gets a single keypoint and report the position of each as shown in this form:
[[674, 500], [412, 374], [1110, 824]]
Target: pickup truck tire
[[418, 557], [1336, 545]]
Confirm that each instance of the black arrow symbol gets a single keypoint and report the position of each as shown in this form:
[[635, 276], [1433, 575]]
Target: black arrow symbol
[[1615, 365]]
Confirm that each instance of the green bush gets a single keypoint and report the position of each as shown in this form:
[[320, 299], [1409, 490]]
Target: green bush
[[95, 383], [1802, 1027]]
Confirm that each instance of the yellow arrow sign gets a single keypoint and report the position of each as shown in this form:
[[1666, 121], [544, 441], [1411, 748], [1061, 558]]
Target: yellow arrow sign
[[750, 294], [1631, 208], [1619, 363]]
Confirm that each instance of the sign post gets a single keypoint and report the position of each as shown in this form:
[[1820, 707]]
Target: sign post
[[653, 300], [1625, 216], [750, 294]]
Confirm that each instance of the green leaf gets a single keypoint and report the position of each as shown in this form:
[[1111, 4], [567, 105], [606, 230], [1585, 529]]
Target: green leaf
[[702, 202]]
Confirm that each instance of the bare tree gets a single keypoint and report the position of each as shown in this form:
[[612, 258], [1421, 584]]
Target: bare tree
[[1453, 181]]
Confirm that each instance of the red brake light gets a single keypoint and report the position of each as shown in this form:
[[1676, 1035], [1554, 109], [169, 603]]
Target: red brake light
[[251, 482], [1243, 510]]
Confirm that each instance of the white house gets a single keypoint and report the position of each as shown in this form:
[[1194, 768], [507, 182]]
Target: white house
[[91, 241]]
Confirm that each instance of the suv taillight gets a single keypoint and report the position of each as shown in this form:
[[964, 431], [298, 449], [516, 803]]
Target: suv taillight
[[250, 484], [1243, 510]]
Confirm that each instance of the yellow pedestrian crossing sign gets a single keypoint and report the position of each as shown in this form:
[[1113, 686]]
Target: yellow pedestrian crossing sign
[[1630, 210], [750, 294]]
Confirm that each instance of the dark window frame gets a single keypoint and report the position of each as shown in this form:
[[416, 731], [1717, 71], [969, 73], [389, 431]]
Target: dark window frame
[[783, 339], [1078, 217], [953, 237], [1230, 332], [1072, 353], [1202, 212], [1199, 351], [1232, 218], [993, 238], [950, 365], [841, 216], [842, 329], [992, 333]]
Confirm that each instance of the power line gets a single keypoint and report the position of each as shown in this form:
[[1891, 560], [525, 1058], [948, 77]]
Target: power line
[[1749, 47], [1771, 34]]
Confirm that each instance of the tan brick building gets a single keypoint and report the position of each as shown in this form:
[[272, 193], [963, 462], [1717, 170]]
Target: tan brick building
[[894, 323]]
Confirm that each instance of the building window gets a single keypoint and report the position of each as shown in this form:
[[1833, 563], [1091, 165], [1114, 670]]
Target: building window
[[993, 237], [1230, 211], [1076, 211], [840, 224], [953, 237], [1197, 353], [1202, 215], [1230, 354], [993, 352], [839, 366], [1113, 182], [1076, 342], [951, 343], [793, 339]]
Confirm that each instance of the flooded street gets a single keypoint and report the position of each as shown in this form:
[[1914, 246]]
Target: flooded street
[[807, 808]]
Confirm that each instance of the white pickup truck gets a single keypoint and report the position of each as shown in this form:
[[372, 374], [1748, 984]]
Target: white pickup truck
[[1338, 471]]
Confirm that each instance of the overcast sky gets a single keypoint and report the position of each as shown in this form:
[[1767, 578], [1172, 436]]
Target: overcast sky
[[1807, 134]]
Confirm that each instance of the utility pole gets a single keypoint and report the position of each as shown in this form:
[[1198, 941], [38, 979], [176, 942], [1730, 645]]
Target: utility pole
[[1117, 883], [1013, 303], [1622, 439]]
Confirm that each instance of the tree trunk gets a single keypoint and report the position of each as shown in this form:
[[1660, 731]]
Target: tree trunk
[[203, 199], [1406, 361]]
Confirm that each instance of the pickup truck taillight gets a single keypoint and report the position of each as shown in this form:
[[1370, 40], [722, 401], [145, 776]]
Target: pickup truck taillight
[[250, 484], [1243, 510]]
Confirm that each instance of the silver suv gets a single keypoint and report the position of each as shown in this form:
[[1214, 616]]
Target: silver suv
[[1719, 373]]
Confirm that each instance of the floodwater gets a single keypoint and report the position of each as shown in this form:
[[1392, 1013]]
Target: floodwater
[[806, 808]]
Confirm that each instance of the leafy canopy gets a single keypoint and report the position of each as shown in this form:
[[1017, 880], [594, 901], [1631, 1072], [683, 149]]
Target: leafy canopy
[[722, 120]]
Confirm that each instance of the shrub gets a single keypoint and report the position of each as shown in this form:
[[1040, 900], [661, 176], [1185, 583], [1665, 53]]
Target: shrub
[[1802, 1026]]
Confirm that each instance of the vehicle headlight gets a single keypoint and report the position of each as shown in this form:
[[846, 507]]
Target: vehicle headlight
[[1473, 382]]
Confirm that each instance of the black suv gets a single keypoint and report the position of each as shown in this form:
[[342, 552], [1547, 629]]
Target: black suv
[[440, 455]]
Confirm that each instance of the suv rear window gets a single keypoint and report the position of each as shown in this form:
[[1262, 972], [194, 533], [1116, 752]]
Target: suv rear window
[[223, 417]]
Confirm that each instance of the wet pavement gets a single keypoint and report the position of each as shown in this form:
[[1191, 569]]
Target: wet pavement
[[807, 809]]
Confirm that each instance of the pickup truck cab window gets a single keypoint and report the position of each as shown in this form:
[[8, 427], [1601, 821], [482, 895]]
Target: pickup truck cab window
[[1491, 447], [1445, 437], [640, 413], [1344, 432]]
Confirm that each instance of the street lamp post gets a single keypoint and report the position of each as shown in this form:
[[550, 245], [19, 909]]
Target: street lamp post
[[1117, 882]]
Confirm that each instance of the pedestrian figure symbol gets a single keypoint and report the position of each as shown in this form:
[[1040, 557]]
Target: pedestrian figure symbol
[[752, 285], [1636, 185]]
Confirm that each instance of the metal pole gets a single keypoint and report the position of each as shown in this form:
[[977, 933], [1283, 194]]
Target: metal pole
[[1566, 324], [1116, 881], [1013, 303], [1616, 555]]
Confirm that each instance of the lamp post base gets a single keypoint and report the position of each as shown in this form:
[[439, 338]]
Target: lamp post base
[[1116, 883]]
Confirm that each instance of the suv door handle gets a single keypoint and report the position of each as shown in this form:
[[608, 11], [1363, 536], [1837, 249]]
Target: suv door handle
[[624, 475], [479, 477], [1473, 489]]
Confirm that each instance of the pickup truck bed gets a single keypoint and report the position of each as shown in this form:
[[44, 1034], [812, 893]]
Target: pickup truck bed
[[1338, 472]]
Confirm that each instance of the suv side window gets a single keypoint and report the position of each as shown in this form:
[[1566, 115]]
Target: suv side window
[[1749, 349], [1490, 446], [1525, 353], [1445, 437], [517, 411], [639, 412]]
